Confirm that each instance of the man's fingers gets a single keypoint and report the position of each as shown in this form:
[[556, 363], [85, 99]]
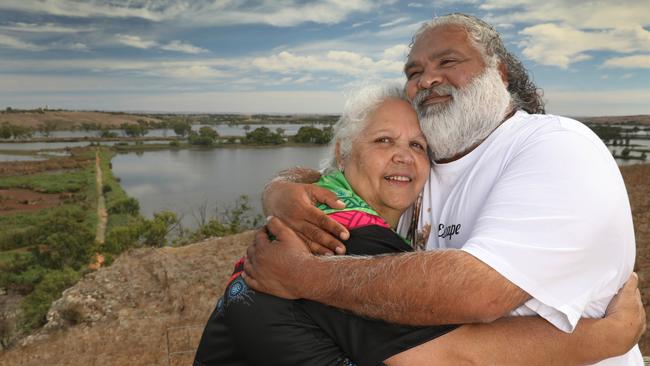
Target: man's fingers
[[325, 223], [278, 228], [324, 195], [319, 218], [317, 237]]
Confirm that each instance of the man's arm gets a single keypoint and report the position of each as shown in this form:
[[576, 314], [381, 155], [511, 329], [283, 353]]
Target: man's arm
[[423, 288], [534, 341], [291, 197]]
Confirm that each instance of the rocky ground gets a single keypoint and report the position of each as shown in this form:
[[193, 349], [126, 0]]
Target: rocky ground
[[150, 306]]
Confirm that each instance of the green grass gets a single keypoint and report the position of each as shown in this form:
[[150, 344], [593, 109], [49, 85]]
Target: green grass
[[114, 193], [68, 181]]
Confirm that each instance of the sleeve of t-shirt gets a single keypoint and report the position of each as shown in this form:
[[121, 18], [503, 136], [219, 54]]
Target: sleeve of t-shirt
[[553, 225]]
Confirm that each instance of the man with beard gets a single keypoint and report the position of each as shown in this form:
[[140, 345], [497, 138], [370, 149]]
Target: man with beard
[[530, 208]]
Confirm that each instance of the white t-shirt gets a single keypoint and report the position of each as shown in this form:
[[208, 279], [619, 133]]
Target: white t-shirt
[[541, 201]]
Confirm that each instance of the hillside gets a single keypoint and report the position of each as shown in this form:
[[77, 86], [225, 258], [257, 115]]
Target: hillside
[[71, 119], [150, 306]]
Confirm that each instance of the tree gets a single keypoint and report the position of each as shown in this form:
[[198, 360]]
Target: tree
[[181, 128], [67, 242], [46, 128], [263, 136], [106, 133], [313, 135], [5, 130], [206, 131], [134, 130]]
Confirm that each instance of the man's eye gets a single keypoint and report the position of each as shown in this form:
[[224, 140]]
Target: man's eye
[[411, 75], [383, 140], [447, 62]]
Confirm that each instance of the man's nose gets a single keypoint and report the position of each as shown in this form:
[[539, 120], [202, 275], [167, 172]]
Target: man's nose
[[430, 77]]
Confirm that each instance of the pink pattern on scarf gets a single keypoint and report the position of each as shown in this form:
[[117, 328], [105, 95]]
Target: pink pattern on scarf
[[355, 219]]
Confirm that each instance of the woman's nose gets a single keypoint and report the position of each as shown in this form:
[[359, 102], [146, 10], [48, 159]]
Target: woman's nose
[[403, 156]]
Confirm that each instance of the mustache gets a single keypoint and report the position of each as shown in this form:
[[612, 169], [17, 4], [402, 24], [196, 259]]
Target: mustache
[[440, 90]]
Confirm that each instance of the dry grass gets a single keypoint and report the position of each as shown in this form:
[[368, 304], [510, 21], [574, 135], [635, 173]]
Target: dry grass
[[71, 119]]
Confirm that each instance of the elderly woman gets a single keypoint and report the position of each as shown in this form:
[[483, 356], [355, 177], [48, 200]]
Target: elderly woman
[[378, 167]]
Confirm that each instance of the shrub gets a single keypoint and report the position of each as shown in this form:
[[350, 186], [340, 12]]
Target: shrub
[[36, 304], [129, 206]]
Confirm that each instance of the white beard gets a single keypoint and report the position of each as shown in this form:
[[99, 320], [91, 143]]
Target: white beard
[[472, 114]]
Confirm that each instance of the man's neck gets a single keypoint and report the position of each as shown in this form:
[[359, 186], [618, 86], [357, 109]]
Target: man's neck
[[471, 148]]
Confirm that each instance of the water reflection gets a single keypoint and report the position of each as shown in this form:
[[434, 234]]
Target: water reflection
[[183, 180]]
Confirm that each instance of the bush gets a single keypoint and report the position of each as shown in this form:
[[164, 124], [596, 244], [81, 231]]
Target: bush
[[129, 206], [106, 188], [36, 304]]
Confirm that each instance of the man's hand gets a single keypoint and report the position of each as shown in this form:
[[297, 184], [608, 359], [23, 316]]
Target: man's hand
[[277, 267], [627, 315], [294, 204]]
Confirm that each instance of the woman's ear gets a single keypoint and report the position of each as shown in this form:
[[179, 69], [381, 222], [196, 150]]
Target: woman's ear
[[339, 157]]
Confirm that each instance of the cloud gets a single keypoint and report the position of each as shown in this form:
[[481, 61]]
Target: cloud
[[356, 25], [176, 46], [45, 28], [135, 41], [194, 71], [565, 32], [179, 46], [398, 52], [629, 62], [395, 22], [203, 12], [340, 62], [561, 45], [603, 14], [15, 43], [415, 5]]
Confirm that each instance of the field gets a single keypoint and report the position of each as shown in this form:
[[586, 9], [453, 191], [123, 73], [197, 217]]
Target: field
[[70, 119]]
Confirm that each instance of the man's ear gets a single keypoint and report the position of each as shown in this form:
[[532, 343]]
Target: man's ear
[[503, 70], [339, 157]]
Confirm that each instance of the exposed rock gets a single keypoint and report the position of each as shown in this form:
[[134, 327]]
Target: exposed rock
[[148, 308]]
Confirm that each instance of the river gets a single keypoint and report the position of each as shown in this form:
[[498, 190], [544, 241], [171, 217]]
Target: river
[[184, 180]]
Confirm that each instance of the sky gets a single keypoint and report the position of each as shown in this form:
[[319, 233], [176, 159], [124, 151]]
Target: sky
[[298, 56]]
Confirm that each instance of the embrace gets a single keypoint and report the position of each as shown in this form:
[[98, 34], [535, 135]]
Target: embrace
[[478, 229]]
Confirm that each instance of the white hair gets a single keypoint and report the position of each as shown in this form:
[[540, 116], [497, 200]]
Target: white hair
[[358, 108]]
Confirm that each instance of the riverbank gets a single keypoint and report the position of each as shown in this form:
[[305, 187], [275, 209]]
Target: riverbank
[[159, 299]]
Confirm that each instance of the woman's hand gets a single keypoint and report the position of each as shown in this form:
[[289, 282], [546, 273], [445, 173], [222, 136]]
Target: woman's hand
[[294, 203]]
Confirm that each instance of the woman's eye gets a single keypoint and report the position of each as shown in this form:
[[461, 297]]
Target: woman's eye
[[383, 140], [417, 145]]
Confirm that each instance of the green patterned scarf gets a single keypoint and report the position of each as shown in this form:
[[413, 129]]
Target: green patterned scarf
[[336, 182]]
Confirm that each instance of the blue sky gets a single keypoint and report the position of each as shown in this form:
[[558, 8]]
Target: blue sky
[[298, 56]]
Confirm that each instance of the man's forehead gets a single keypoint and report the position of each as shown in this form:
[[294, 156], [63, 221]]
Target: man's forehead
[[439, 41]]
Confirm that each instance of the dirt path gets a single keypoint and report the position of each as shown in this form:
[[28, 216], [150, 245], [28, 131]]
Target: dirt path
[[102, 216]]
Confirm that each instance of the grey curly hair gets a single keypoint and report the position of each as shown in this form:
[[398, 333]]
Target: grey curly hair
[[356, 112], [525, 94]]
